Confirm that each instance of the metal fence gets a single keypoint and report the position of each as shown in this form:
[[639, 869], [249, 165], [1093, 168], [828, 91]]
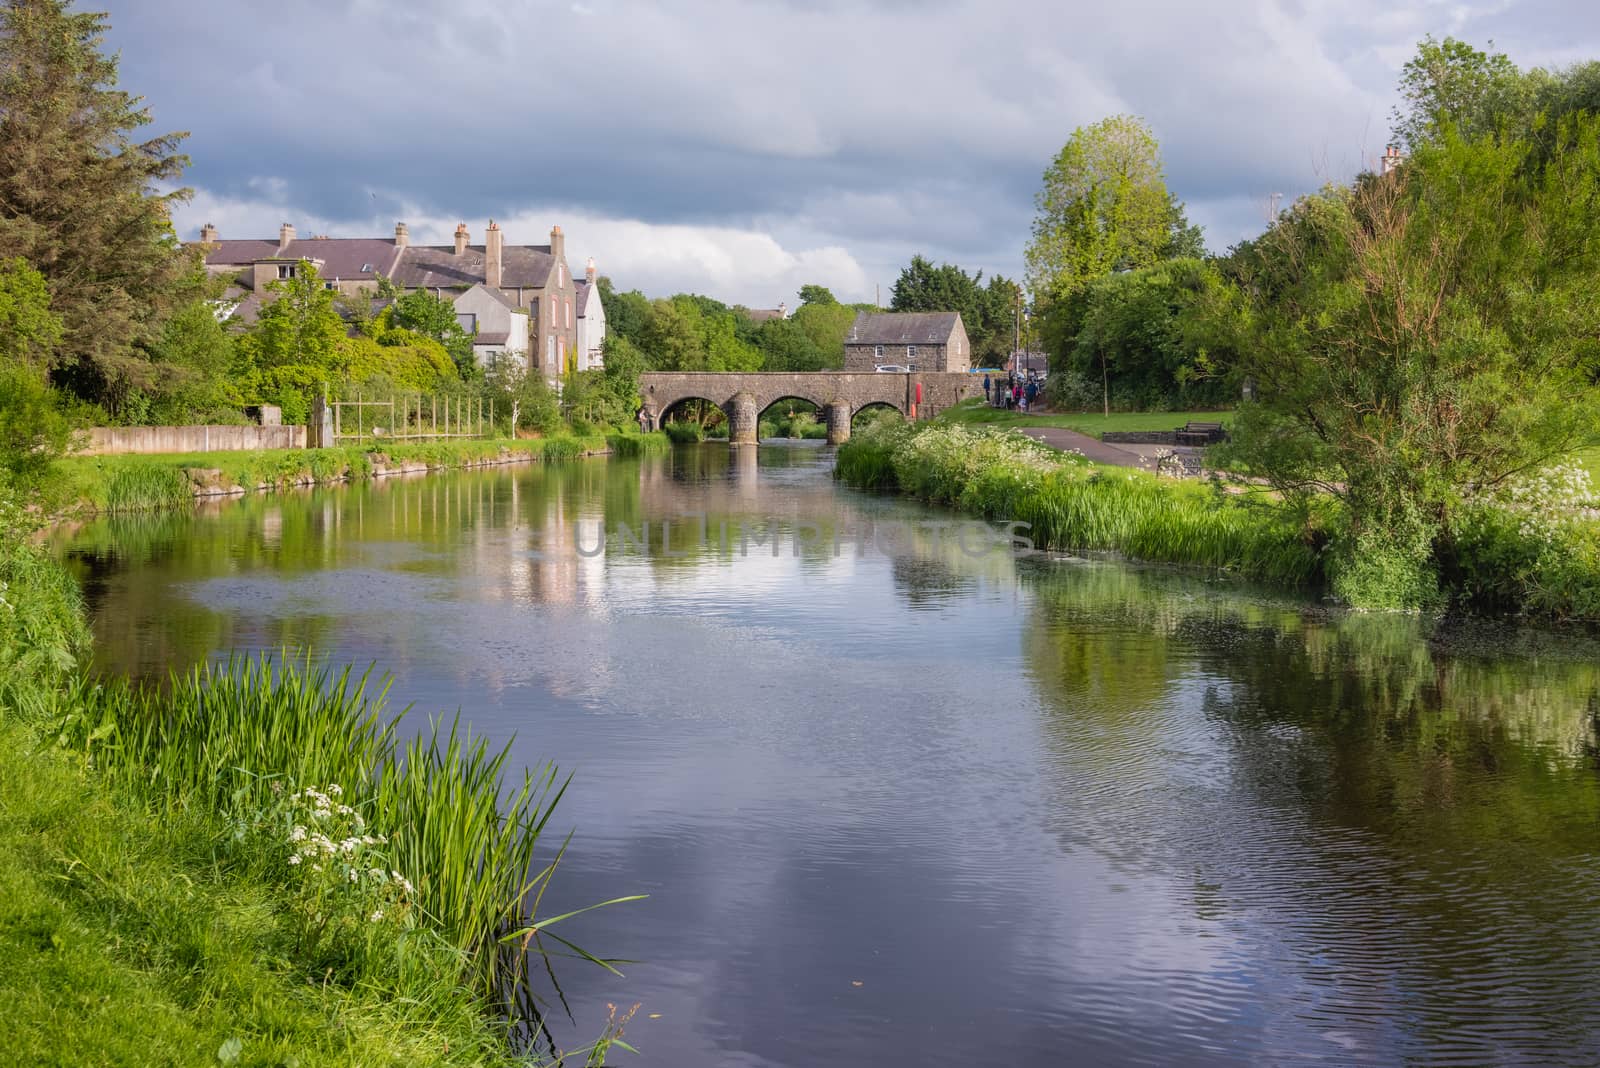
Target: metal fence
[[411, 417]]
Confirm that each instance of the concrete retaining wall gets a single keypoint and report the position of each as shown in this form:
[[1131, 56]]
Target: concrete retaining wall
[[112, 440]]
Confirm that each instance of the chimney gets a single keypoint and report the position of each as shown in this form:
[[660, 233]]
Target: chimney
[[1391, 159], [558, 245], [493, 242], [402, 235], [588, 271], [285, 238], [461, 239], [783, 310], [208, 234]]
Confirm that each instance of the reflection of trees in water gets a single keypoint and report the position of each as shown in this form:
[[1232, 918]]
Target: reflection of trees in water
[[1403, 816]]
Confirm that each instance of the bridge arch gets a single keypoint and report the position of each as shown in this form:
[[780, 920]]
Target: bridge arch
[[839, 394]]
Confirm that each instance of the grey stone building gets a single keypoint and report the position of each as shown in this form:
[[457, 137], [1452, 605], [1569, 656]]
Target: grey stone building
[[921, 341]]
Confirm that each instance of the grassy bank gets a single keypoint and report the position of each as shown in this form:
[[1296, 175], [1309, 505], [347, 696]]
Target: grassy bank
[[251, 865], [1532, 548], [137, 483], [1071, 504]]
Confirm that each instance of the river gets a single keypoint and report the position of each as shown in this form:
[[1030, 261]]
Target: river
[[908, 800]]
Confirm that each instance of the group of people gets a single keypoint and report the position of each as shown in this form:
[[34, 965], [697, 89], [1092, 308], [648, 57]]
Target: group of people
[[1015, 391]]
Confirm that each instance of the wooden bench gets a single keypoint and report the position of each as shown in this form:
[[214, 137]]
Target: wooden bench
[[1193, 433]]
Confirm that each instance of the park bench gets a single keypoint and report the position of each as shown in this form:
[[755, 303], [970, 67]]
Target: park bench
[[1194, 433]]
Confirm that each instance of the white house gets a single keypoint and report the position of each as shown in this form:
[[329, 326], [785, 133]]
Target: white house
[[591, 322], [499, 326]]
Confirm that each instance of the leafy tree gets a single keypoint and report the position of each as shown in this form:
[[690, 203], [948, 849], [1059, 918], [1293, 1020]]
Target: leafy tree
[[626, 313], [1104, 207], [786, 346], [987, 312], [29, 330], [195, 353], [673, 338], [34, 427], [1137, 340], [825, 323], [77, 197], [399, 358], [1421, 336], [814, 294], [724, 351], [1451, 84], [299, 326], [522, 392], [432, 317]]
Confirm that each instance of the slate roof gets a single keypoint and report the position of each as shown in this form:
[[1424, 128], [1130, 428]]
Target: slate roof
[[582, 295], [352, 258], [438, 266], [501, 298], [415, 266], [497, 338], [902, 328]]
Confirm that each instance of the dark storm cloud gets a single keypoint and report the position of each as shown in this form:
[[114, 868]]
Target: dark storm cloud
[[872, 130]]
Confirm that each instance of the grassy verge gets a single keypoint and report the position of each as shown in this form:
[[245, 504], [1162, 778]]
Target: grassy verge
[[1070, 504], [250, 865], [137, 483], [1532, 548], [1092, 423]]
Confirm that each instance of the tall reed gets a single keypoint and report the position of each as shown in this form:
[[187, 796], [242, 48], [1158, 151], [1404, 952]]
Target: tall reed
[[231, 736]]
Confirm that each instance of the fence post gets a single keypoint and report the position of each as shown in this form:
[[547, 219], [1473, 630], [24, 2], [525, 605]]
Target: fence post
[[360, 427], [433, 423], [391, 415]]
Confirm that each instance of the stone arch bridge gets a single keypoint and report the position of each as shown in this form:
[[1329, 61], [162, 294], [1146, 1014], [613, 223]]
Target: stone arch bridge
[[839, 394]]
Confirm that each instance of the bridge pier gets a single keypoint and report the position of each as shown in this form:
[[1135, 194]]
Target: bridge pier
[[743, 417], [838, 415]]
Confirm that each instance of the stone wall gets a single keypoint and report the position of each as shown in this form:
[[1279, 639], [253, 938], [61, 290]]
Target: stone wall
[[113, 440], [929, 358]]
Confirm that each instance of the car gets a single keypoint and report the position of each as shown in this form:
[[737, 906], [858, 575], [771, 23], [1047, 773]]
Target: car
[[892, 369]]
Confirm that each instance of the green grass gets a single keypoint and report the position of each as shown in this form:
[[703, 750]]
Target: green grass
[[158, 905], [128, 938], [1092, 423], [1070, 504]]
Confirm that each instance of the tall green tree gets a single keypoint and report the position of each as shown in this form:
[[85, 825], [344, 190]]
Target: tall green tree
[[988, 312], [34, 427], [1420, 336], [1449, 84], [79, 199], [1104, 207], [626, 313], [420, 312]]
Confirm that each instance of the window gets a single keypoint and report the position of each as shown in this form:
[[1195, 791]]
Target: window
[[877, 352], [550, 352], [366, 268], [287, 270], [328, 285], [911, 352], [569, 315]]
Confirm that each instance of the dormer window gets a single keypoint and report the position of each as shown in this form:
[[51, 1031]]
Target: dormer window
[[287, 270]]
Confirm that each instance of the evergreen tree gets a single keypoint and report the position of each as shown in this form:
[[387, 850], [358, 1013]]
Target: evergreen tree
[[78, 198]]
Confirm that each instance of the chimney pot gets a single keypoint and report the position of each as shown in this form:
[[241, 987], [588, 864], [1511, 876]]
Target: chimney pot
[[208, 234], [462, 239], [285, 237]]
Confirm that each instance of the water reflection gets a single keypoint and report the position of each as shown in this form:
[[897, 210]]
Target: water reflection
[[1041, 810]]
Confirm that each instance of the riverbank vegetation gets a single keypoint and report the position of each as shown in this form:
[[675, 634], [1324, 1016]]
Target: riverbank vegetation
[[1530, 547], [1416, 345], [257, 863]]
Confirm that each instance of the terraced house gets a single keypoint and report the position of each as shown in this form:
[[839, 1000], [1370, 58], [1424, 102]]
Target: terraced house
[[520, 299]]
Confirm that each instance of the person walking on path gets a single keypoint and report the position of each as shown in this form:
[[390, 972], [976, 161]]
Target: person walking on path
[[986, 387], [1031, 392]]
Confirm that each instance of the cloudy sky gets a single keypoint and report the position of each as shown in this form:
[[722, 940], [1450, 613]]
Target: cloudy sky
[[741, 148]]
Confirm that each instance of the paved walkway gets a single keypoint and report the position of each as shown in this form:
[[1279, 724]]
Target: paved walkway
[[1098, 451]]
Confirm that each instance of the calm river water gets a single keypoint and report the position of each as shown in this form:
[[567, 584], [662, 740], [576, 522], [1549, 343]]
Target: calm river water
[[922, 805]]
